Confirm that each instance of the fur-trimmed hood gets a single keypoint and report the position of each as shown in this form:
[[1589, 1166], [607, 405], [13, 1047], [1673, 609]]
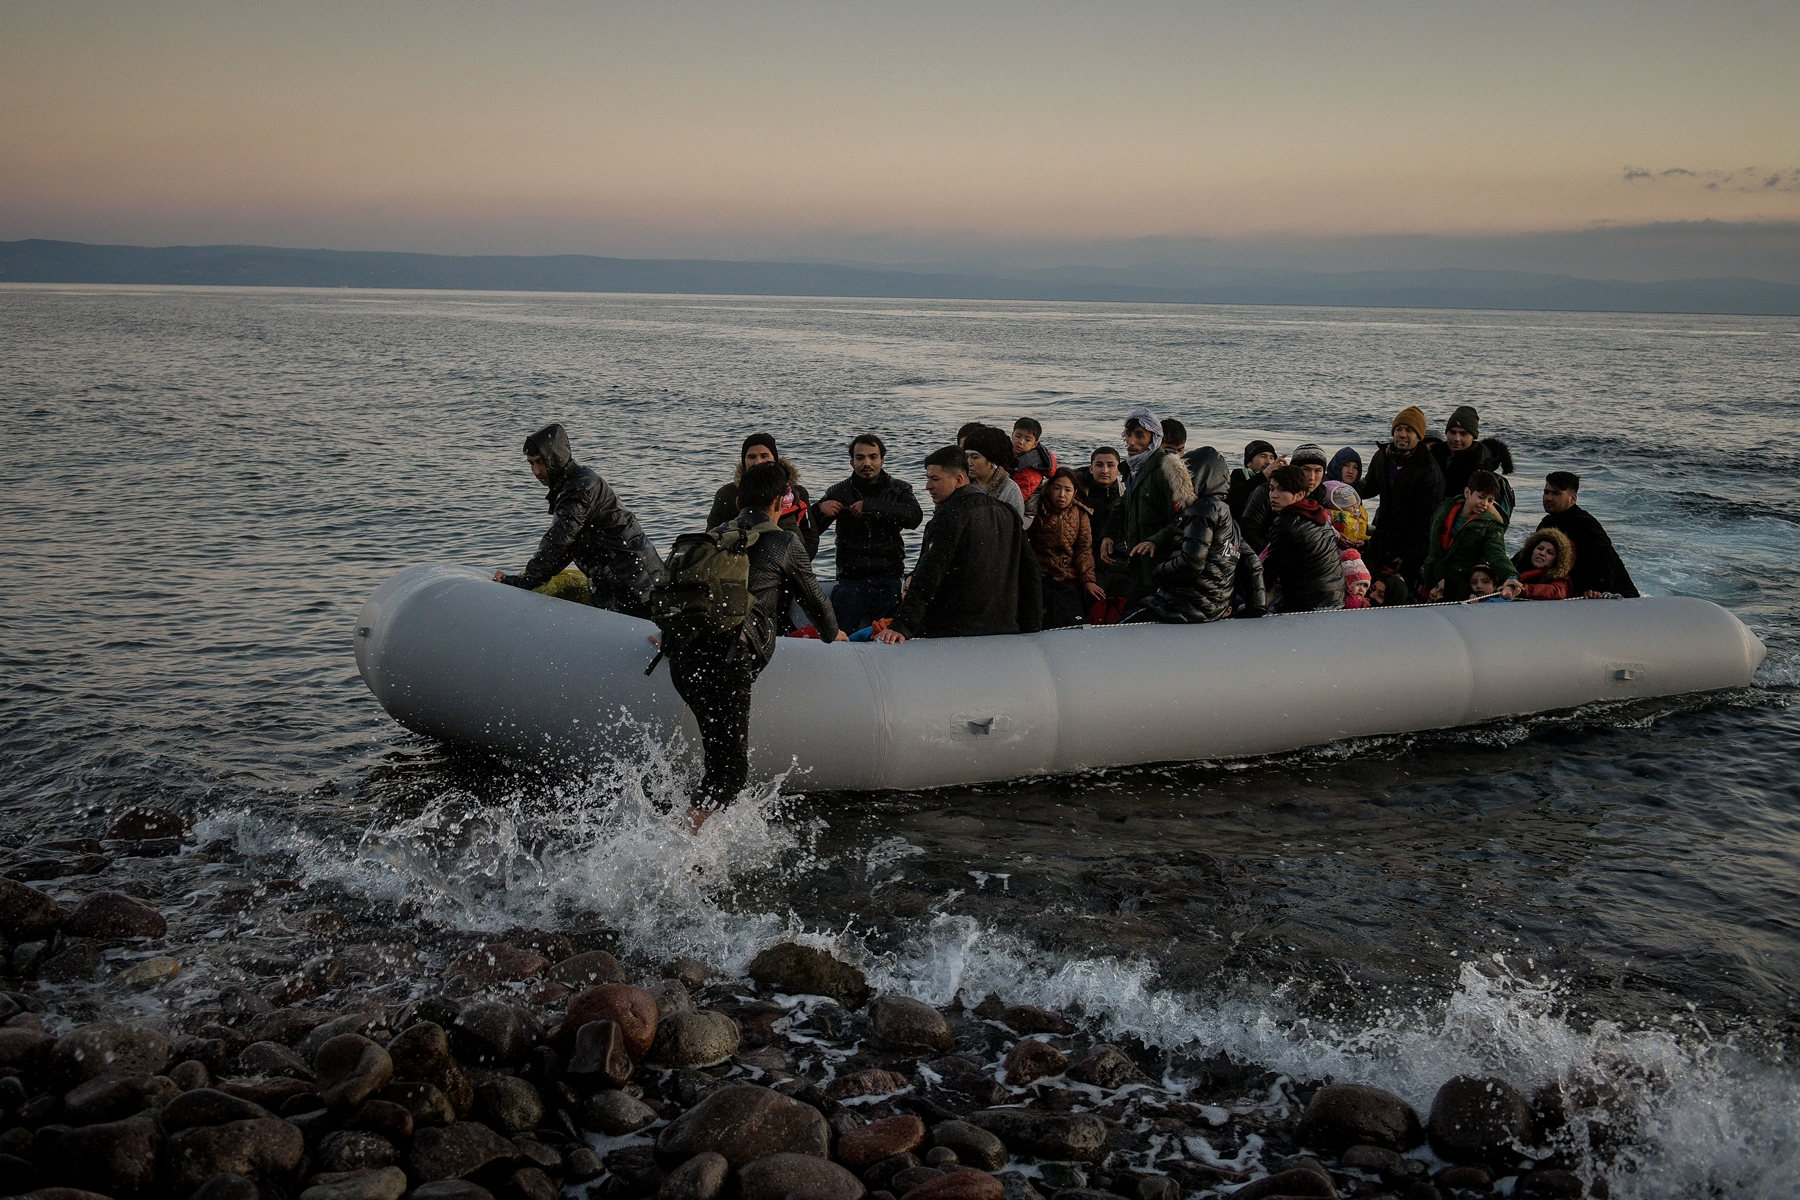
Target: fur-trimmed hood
[[793, 472], [1565, 553], [1181, 483]]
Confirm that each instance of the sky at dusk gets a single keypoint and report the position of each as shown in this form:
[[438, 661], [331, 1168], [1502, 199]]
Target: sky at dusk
[[884, 132]]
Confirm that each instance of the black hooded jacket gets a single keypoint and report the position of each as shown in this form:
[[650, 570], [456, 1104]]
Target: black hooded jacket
[[1485, 454], [1115, 576], [591, 529], [1199, 579], [1303, 560], [1409, 489], [976, 575], [1598, 567], [870, 546]]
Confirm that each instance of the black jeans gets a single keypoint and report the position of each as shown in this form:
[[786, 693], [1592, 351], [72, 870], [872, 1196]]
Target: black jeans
[[859, 603], [1064, 605], [714, 677]]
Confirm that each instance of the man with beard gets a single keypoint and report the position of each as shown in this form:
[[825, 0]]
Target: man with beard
[[1407, 480], [870, 509], [590, 529]]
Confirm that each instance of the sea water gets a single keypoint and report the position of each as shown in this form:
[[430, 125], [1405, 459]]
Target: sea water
[[201, 486]]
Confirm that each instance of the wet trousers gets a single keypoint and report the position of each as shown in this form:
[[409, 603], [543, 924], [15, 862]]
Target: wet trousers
[[714, 677]]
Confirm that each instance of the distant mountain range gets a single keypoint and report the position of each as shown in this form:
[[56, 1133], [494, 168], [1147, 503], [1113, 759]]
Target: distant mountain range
[[38, 261]]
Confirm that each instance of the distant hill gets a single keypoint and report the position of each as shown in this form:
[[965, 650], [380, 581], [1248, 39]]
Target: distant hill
[[38, 261]]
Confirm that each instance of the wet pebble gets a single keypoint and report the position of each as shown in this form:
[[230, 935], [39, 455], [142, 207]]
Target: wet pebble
[[1107, 1067], [745, 1123], [354, 1150], [455, 1151], [775, 1176], [586, 970], [114, 915], [616, 1114], [109, 1047], [1349, 1114], [872, 1082], [114, 1158], [970, 1143], [152, 971], [375, 1183], [509, 1104], [864, 1147], [1078, 1137], [598, 1056], [350, 1068], [801, 970], [451, 1189], [1299, 1182], [1031, 1060], [258, 1150], [493, 1033], [701, 1177], [497, 962], [1479, 1120], [632, 1009], [905, 1023], [421, 1054], [426, 1104], [272, 1058], [694, 1039], [959, 1185], [144, 822]]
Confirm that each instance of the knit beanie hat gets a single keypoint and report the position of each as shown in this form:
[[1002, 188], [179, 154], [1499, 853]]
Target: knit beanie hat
[[1354, 567], [1413, 418], [1465, 418], [1308, 453], [759, 439], [1341, 496], [1255, 448]]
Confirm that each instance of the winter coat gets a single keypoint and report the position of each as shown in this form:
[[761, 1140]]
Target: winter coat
[[870, 546], [1197, 580], [1002, 488], [1259, 515], [795, 519], [1064, 543], [1455, 551], [1598, 567], [1243, 482], [780, 572], [1153, 501], [1486, 454], [1032, 468], [1409, 489], [1302, 560], [1548, 583], [1115, 577], [590, 529], [976, 573]]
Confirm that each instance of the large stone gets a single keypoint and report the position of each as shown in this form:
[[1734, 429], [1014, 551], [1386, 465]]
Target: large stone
[[973, 1145], [1107, 1067], [1028, 1019], [906, 1023], [456, 1151], [259, 1150], [871, 1082], [380, 1183], [616, 1114], [1031, 1060], [26, 913], [355, 1150], [863, 1148], [270, 1093], [144, 823], [1476, 1119], [109, 1048], [208, 1106], [115, 915], [287, 1025], [24, 1050], [1071, 1137], [586, 970], [528, 1183], [78, 961], [1299, 1182], [117, 1158], [1018, 1187], [497, 962], [1349, 1114], [392, 1121], [451, 1189], [776, 1176], [350, 1068], [509, 1104], [105, 1098], [801, 970], [694, 1039], [745, 1123], [493, 1033], [701, 1177], [308, 1045], [671, 998], [426, 1104], [632, 1009], [421, 1054], [959, 1185], [272, 1058], [599, 1057]]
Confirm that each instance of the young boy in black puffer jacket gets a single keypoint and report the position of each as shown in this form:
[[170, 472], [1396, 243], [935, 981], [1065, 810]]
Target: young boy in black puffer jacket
[[1302, 558]]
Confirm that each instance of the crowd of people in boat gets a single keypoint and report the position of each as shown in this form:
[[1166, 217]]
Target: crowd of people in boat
[[1020, 542]]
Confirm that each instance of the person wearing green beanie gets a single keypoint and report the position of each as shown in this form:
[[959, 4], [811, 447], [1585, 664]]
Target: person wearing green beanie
[[1464, 451], [1407, 480]]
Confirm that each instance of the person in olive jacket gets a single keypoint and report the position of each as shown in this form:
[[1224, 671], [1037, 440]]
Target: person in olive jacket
[[1466, 531], [1302, 559], [1210, 570], [1142, 527], [591, 529], [870, 509], [1407, 480]]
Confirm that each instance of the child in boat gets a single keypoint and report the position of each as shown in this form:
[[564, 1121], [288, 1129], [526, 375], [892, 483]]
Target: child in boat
[[1033, 462], [1548, 556], [1484, 585], [1064, 543], [1387, 590], [1466, 530], [1349, 519], [1356, 580]]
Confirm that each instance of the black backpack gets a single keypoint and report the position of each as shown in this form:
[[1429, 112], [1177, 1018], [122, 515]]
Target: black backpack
[[705, 591]]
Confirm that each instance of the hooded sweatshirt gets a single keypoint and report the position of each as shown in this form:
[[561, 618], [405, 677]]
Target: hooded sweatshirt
[[589, 528]]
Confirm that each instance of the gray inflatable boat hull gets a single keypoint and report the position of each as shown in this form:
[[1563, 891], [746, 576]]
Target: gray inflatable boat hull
[[455, 656]]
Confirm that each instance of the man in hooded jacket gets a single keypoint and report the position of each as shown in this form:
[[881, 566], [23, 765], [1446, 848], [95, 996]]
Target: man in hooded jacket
[[1210, 570], [590, 529]]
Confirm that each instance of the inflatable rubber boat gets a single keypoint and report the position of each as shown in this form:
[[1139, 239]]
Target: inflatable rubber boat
[[455, 656]]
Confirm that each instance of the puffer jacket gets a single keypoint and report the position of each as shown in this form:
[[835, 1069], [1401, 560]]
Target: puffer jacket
[[1197, 580], [1149, 512], [780, 572], [1064, 543], [797, 518], [591, 529], [976, 574], [1409, 489], [1259, 515], [1548, 583], [870, 546], [1302, 560]]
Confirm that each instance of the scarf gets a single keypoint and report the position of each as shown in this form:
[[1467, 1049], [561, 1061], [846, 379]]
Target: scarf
[[1311, 510], [996, 482], [1148, 420]]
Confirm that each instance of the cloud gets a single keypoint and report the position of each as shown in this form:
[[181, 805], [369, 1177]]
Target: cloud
[[1746, 179]]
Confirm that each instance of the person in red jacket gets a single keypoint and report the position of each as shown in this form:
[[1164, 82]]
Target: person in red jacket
[[1549, 557], [1033, 461]]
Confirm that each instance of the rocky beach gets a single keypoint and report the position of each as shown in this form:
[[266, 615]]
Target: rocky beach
[[296, 1055]]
